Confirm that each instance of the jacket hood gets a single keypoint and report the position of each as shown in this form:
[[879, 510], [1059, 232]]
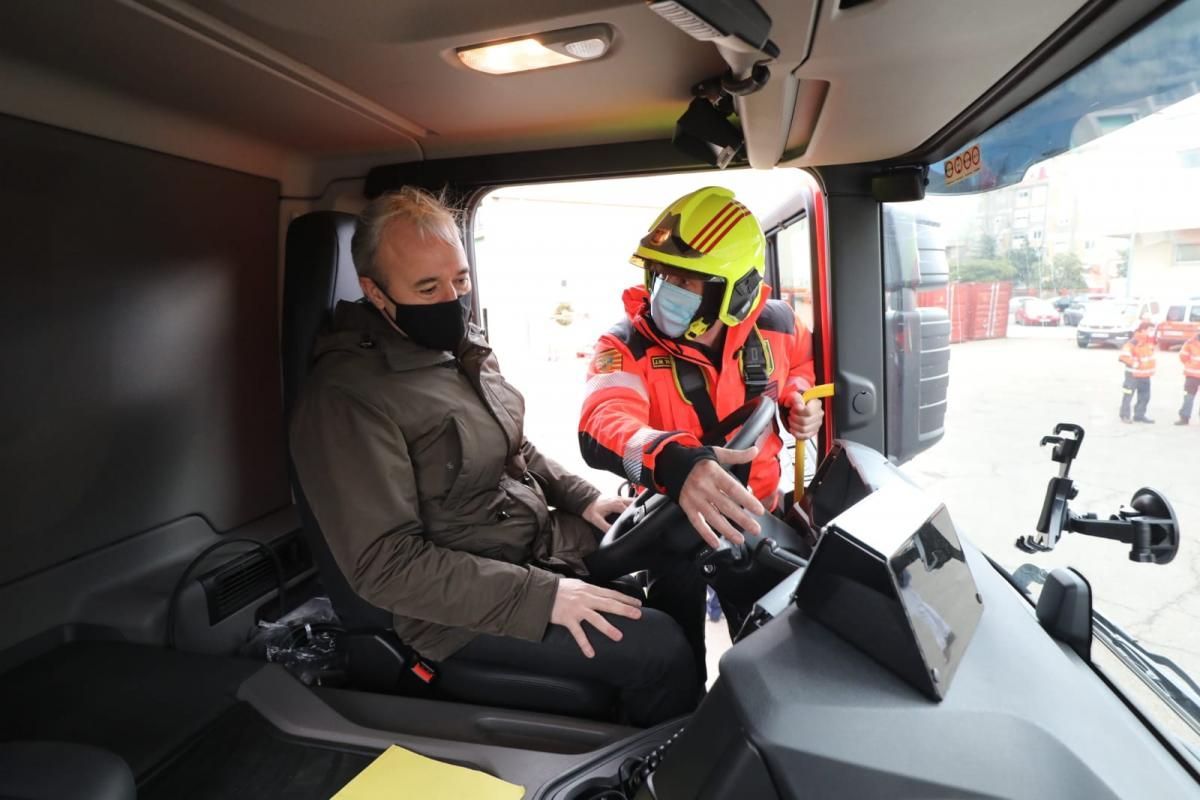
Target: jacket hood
[[359, 329]]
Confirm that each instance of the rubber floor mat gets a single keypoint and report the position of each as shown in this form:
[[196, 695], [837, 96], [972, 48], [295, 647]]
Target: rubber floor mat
[[243, 756], [141, 702]]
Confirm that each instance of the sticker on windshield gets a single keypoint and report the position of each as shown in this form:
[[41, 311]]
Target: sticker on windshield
[[963, 165]]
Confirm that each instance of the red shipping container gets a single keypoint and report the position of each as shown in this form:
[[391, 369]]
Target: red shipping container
[[960, 304], [978, 310], [934, 298], [990, 320]]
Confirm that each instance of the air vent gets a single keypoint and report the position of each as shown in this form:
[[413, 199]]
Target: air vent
[[249, 576]]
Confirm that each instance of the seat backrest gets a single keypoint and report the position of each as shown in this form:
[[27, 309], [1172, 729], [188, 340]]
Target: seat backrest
[[318, 272]]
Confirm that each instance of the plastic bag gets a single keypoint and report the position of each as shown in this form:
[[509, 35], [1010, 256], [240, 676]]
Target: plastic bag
[[306, 641]]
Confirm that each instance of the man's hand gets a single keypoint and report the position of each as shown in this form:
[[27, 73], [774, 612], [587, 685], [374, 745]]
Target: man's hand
[[603, 507], [804, 419], [712, 498], [577, 602]]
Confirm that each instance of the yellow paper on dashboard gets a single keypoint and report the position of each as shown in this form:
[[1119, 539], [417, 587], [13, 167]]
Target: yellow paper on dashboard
[[400, 773]]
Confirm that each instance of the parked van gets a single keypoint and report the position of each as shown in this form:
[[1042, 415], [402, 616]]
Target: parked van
[[1113, 321], [1179, 324]]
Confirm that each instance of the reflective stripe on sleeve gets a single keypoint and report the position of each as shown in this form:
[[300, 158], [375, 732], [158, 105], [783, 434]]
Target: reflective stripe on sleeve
[[609, 380], [634, 453]]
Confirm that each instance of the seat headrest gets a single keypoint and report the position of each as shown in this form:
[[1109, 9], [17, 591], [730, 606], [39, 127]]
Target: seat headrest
[[318, 272]]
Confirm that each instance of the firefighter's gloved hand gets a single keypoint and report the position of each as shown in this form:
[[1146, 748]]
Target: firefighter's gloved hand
[[709, 496], [804, 419]]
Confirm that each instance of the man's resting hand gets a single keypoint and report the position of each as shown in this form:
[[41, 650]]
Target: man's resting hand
[[577, 602], [602, 507]]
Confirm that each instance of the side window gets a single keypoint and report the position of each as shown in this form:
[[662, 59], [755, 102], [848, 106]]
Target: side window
[[1195, 315], [793, 253], [794, 257]]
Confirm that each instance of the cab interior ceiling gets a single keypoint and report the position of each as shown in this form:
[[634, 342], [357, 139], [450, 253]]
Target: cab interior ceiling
[[264, 87]]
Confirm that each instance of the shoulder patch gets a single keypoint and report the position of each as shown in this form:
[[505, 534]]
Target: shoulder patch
[[777, 316], [660, 362], [608, 360]]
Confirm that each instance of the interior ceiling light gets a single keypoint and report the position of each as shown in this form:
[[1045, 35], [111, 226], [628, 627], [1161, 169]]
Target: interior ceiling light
[[550, 49]]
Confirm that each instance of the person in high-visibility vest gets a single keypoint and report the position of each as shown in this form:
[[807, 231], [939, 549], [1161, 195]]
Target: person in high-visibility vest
[[701, 337], [1190, 356], [1138, 357]]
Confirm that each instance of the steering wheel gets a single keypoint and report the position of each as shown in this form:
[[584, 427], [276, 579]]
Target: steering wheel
[[654, 528]]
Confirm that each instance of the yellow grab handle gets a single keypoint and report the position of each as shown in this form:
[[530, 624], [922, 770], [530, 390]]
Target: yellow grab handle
[[815, 393]]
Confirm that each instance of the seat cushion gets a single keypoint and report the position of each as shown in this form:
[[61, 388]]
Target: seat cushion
[[490, 685], [377, 661], [63, 771]]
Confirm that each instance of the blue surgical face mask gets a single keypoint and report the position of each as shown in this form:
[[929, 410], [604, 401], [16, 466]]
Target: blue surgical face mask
[[672, 307]]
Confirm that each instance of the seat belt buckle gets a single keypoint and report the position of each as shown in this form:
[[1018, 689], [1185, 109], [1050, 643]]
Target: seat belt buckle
[[423, 670]]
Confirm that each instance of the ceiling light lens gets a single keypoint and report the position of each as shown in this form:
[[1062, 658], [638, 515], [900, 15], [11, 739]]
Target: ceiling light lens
[[515, 56], [588, 48]]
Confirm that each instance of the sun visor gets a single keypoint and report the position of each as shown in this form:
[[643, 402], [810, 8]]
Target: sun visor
[[889, 576]]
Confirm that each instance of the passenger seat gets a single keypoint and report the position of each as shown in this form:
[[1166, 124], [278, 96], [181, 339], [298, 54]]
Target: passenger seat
[[63, 771]]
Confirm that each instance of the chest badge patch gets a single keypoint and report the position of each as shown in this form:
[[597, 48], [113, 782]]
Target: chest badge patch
[[607, 361], [660, 362]]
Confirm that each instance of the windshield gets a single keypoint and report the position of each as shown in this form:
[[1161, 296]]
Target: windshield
[[1104, 202]]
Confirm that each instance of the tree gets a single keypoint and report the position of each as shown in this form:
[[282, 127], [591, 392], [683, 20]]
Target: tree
[[984, 269], [1026, 263], [1066, 273], [987, 247]]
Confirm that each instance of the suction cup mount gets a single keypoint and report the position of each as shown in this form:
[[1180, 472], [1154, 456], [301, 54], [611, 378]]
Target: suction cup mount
[[1148, 524]]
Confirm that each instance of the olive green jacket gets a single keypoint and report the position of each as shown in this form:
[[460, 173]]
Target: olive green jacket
[[433, 502]]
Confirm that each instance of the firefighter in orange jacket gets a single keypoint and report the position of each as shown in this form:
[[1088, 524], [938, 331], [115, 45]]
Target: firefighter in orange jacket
[[1190, 356], [1138, 357], [701, 338]]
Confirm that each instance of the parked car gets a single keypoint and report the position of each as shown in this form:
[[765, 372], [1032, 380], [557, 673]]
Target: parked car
[[1179, 324], [1113, 321], [1079, 305], [1037, 312], [1063, 302], [1015, 304]]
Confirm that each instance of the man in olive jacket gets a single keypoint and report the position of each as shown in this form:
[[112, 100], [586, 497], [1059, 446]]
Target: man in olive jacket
[[409, 445]]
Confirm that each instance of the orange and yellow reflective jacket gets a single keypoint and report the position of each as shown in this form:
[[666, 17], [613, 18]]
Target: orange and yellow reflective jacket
[[1190, 356], [634, 404], [1139, 358]]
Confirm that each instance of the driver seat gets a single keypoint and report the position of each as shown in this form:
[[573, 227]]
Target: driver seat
[[319, 272]]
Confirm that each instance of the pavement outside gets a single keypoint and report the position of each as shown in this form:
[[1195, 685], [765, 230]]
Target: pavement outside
[[1005, 394]]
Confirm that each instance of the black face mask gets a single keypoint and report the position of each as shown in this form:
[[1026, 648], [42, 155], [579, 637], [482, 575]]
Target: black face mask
[[438, 326]]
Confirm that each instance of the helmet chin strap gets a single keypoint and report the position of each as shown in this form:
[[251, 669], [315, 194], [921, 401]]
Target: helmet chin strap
[[710, 309], [698, 328]]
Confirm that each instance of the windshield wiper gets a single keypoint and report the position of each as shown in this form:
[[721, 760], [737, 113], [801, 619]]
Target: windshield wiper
[[1179, 692]]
